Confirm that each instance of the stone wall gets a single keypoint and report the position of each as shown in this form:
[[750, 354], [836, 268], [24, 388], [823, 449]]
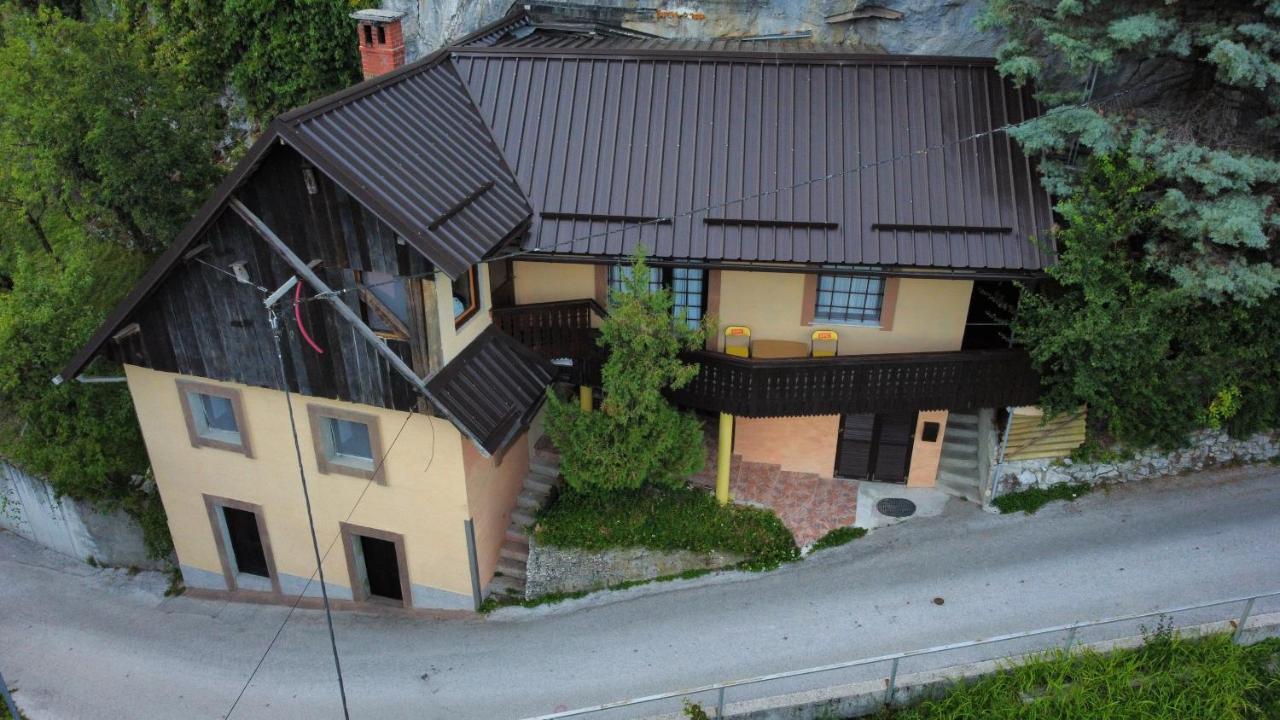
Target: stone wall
[[29, 508], [552, 569], [1207, 449]]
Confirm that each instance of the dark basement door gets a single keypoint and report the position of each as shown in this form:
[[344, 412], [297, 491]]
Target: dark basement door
[[381, 568], [875, 446], [246, 542]]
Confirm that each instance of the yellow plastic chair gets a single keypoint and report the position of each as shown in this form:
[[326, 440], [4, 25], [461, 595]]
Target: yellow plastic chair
[[824, 343], [737, 340]]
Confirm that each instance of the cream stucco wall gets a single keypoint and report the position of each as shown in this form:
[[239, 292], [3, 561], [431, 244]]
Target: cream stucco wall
[[546, 282], [492, 487], [928, 314], [454, 339], [424, 498]]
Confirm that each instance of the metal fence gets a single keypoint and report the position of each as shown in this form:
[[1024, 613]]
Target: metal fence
[[1063, 636]]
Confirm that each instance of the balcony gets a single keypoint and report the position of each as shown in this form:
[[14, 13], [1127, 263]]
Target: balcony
[[783, 387]]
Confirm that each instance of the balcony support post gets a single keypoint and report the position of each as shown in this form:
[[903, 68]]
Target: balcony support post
[[724, 453], [584, 397]]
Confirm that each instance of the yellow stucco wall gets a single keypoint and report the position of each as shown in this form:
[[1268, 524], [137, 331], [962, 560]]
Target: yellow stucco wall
[[424, 498], [453, 340], [492, 487], [546, 282], [928, 315]]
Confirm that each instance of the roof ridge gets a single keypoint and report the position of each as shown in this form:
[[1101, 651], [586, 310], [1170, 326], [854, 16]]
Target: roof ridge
[[711, 54]]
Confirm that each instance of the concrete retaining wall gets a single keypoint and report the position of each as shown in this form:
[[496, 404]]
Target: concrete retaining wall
[[1207, 449], [28, 507], [552, 569]]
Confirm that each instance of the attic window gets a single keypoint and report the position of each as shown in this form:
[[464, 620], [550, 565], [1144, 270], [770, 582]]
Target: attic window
[[466, 297], [385, 304], [214, 416]]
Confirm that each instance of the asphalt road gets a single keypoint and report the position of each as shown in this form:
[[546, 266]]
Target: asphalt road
[[78, 642]]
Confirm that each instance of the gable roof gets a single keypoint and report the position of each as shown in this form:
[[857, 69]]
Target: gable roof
[[493, 388], [844, 159]]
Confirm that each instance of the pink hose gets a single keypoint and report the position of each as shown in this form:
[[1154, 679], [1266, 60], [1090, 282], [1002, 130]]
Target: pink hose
[[297, 315]]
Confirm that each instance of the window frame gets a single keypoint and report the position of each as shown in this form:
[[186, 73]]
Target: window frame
[[326, 461], [188, 387], [666, 281], [473, 279], [213, 506], [350, 534], [816, 303], [370, 302]]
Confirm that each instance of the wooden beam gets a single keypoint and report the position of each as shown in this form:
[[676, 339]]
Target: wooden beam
[[306, 273]]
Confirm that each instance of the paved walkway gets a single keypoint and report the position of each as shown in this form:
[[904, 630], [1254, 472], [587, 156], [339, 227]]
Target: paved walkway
[[78, 642]]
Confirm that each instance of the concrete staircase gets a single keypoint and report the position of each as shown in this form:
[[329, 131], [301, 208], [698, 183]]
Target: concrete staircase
[[958, 470], [539, 488]]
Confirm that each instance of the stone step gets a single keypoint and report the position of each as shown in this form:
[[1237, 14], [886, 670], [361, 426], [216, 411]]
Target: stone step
[[540, 484], [958, 486], [521, 518], [962, 419], [516, 536], [961, 433], [960, 466], [530, 502], [511, 568], [502, 585], [544, 470], [515, 551]]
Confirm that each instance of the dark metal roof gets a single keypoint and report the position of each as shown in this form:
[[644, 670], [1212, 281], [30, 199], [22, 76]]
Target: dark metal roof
[[601, 136], [493, 388], [416, 153]]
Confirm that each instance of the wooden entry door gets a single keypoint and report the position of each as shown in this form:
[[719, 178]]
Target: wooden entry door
[[875, 446]]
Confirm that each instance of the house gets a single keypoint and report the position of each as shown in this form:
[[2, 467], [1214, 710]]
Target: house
[[388, 275]]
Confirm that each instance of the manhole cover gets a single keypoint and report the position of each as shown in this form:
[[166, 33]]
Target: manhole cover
[[896, 507]]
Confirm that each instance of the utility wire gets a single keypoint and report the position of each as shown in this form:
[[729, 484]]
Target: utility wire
[[627, 227], [297, 600]]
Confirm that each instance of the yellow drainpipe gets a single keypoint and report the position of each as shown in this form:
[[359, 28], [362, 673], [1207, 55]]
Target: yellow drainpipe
[[724, 452], [584, 398]]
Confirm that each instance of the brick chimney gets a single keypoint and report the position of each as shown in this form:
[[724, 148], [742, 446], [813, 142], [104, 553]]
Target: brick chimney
[[381, 41]]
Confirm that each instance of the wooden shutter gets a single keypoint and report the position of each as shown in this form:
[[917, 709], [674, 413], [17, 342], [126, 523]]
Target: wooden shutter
[[857, 433], [894, 437]]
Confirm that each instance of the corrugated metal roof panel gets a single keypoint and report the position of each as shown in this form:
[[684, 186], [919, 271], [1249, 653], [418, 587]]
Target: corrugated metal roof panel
[[669, 134], [418, 155], [492, 388]]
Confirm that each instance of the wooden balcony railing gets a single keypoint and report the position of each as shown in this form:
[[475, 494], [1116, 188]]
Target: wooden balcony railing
[[860, 383], [755, 387]]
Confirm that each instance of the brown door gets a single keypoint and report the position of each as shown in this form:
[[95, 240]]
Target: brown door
[[875, 446]]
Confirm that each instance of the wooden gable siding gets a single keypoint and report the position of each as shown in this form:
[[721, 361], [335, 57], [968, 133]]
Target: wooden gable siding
[[202, 322]]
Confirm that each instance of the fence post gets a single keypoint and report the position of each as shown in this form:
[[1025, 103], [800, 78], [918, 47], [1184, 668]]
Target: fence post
[[893, 679], [8, 699], [1244, 618], [1071, 638], [720, 704]]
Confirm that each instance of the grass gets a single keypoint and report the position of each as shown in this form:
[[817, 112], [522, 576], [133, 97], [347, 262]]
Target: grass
[[837, 537], [4, 710], [1032, 499], [666, 519], [1169, 678]]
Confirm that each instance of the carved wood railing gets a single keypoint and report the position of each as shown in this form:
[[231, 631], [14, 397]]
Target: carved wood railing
[[756, 387]]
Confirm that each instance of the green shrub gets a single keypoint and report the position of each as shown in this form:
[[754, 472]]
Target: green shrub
[[665, 519], [637, 437], [838, 537], [1032, 499], [1170, 678]]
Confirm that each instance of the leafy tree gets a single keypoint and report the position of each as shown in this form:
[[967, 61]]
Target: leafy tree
[[94, 132], [637, 437], [1149, 356], [1198, 103], [276, 56]]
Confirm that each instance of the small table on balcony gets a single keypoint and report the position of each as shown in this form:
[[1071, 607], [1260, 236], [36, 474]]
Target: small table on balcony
[[778, 349]]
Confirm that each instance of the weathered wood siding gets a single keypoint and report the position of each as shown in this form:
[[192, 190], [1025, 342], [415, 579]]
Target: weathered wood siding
[[202, 322]]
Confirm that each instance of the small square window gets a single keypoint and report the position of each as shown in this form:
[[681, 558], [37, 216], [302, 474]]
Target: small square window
[[213, 415], [346, 442], [849, 300]]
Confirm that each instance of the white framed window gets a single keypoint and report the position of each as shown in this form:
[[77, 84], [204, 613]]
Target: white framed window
[[214, 416]]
